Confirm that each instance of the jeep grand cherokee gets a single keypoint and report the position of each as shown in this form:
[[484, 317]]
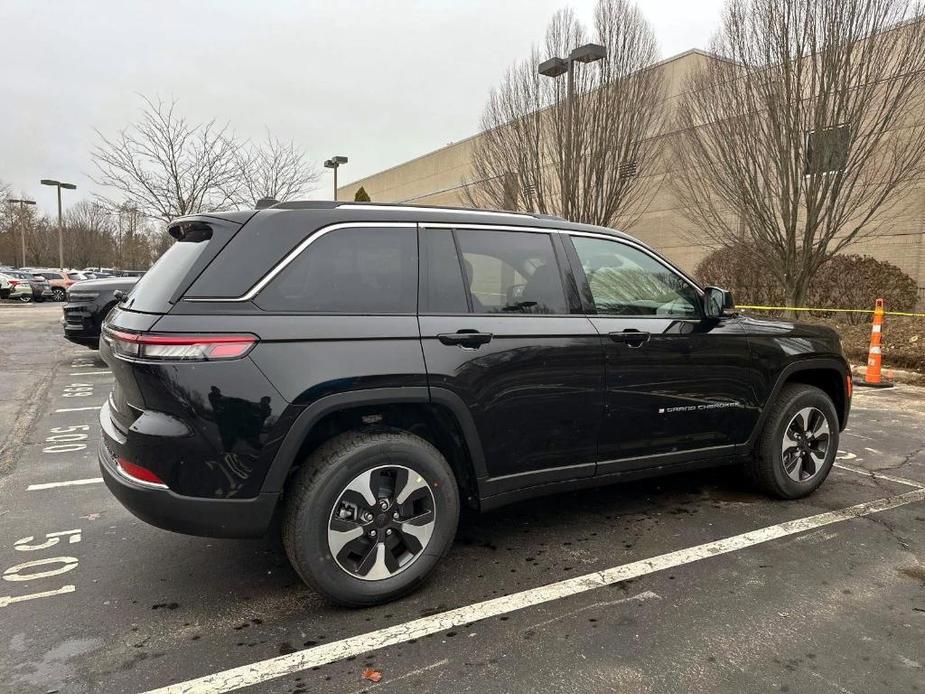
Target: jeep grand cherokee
[[368, 369]]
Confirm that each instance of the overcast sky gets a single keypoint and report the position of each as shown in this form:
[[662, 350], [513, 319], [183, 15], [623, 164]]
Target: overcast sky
[[380, 81]]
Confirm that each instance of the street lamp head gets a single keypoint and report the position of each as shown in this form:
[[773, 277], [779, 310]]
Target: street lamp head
[[69, 186], [22, 202], [50, 182], [329, 164], [588, 53], [553, 67], [339, 160]]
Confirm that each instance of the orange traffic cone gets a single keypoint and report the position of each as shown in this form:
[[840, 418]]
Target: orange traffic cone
[[873, 376]]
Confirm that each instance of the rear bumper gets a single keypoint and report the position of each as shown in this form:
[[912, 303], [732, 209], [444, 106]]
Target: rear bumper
[[163, 508]]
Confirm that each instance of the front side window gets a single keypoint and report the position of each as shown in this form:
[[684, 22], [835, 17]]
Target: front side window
[[625, 281], [511, 272], [361, 270]]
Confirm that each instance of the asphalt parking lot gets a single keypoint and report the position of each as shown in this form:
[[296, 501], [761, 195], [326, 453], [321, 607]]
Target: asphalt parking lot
[[687, 583]]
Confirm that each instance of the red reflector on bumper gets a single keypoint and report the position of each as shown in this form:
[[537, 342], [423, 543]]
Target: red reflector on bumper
[[138, 473]]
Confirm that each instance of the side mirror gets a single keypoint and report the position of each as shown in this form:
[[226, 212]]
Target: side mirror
[[717, 302]]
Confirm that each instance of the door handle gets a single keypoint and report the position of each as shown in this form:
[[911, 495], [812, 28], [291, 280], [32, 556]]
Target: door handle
[[465, 338], [632, 338]]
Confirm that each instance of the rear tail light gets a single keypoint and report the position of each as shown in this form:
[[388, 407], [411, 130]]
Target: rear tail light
[[178, 347], [138, 473], [13, 283]]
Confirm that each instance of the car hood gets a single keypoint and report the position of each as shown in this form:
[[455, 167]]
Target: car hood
[[106, 284]]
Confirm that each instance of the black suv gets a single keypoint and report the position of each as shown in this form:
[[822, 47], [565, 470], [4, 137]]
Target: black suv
[[88, 302], [367, 369]]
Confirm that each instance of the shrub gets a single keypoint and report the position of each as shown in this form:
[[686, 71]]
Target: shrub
[[845, 281]]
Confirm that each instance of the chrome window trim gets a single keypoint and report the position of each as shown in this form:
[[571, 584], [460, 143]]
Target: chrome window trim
[[296, 252]]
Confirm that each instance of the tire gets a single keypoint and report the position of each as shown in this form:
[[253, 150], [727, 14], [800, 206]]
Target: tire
[[59, 294], [25, 298], [791, 460], [318, 499]]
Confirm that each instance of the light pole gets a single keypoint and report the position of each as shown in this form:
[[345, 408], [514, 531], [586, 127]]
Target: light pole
[[334, 163], [22, 226], [59, 185], [554, 67]]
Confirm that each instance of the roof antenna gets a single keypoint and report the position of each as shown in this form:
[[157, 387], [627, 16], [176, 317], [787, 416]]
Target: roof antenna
[[264, 203]]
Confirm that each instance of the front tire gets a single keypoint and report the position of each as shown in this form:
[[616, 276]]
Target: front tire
[[59, 294], [369, 515], [25, 298], [798, 444]]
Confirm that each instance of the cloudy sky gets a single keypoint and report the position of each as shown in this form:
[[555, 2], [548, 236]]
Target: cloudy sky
[[381, 81]]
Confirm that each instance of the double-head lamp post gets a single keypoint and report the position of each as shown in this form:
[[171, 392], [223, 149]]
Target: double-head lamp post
[[22, 224], [554, 67], [334, 163], [59, 185]]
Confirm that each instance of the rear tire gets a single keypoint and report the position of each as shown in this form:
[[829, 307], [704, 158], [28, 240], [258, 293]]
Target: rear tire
[[357, 561], [25, 298], [59, 294], [798, 444]]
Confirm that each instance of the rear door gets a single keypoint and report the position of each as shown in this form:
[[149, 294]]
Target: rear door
[[678, 384], [502, 332]]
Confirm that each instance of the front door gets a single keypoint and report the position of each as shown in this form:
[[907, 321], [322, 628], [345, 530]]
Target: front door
[[502, 331], [678, 385]]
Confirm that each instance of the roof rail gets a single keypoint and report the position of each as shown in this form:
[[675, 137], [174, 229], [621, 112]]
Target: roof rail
[[441, 208], [402, 207]]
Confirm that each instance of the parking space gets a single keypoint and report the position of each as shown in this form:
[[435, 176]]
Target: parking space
[[686, 583]]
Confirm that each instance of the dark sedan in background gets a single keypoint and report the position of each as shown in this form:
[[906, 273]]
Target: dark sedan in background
[[88, 302]]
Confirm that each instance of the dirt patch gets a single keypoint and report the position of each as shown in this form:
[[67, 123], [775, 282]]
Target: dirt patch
[[917, 572]]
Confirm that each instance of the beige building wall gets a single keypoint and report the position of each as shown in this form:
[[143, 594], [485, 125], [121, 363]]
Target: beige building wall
[[438, 178]]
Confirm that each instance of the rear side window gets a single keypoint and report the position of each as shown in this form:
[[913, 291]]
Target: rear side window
[[511, 272], [361, 270]]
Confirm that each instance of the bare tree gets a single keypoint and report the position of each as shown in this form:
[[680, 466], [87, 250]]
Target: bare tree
[[522, 161], [89, 235], [272, 169], [166, 166], [807, 133]]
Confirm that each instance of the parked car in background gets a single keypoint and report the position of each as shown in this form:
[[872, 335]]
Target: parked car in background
[[23, 286], [59, 280], [371, 368], [100, 271], [131, 273], [88, 302]]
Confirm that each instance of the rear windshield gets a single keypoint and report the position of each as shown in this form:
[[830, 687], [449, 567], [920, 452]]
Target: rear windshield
[[154, 290]]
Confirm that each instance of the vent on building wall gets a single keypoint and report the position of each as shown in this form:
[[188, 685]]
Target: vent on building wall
[[627, 169]]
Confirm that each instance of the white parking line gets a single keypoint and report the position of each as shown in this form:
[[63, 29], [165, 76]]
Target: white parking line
[[880, 475], [78, 409], [70, 483], [280, 666], [90, 373]]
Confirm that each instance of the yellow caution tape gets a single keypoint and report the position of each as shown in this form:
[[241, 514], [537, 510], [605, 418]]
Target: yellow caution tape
[[829, 310]]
